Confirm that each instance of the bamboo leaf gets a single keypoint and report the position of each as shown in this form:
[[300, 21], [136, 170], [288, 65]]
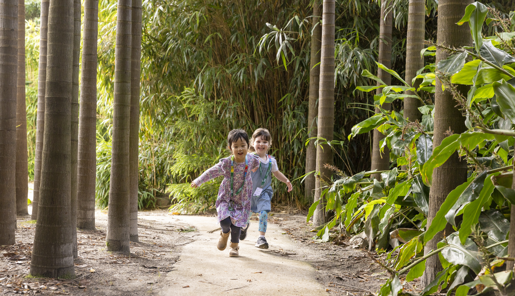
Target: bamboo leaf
[[393, 73], [367, 125], [312, 210], [367, 74]]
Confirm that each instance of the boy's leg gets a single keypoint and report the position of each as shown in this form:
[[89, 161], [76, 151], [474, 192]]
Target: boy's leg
[[263, 223]]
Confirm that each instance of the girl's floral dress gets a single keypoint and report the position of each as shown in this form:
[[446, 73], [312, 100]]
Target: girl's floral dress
[[238, 206]]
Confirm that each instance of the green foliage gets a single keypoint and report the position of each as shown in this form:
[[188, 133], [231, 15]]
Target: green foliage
[[396, 206]]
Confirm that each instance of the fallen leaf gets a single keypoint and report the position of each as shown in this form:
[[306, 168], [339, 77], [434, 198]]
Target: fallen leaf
[[91, 270], [186, 286]]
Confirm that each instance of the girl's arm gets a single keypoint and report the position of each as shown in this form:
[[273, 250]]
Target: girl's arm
[[281, 177], [216, 171]]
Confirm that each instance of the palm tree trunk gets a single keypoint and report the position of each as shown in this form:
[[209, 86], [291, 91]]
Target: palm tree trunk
[[41, 106], [87, 125], [134, 124], [314, 81], [381, 161], [52, 254], [75, 121], [22, 171], [447, 117], [414, 44], [8, 64], [118, 223], [325, 107]]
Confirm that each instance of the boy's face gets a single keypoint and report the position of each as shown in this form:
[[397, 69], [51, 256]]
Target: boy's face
[[261, 146], [239, 150]]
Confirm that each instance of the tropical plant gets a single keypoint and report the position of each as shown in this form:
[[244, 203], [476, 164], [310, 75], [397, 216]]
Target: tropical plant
[[397, 206]]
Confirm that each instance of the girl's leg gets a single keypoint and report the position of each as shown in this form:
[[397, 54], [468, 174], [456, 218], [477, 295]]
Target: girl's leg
[[263, 222], [226, 225], [235, 234]]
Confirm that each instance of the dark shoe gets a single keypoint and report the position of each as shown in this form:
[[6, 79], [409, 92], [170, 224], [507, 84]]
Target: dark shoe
[[243, 233], [261, 243]]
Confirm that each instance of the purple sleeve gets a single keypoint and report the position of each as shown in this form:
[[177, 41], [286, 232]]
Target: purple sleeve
[[253, 161], [215, 171]]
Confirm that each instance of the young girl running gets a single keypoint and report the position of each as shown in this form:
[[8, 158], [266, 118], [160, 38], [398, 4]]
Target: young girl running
[[233, 202], [262, 183]]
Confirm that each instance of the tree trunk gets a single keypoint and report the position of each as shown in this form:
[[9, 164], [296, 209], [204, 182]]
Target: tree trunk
[[414, 44], [41, 107], [447, 117], [8, 64], [22, 171], [52, 254], [381, 161], [511, 238], [314, 81], [75, 120], [134, 113], [325, 107], [118, 223], [88, 117]]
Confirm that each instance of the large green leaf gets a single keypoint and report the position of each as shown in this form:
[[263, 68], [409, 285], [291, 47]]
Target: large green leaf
[[312, 210], [440, 155], [452, 64], [408, 251], [439, 221], [424, 148], [391, 72], [416, 271], [459, 279], [488, 74], [467, 73], [495, 55], [475, 14], [470, 194], [371, 226], [482, 93], [433, 286], [349, 208], [494, 224], [367, 125], [507, 193], [367, 74], [392, 97], [473, 210], [366, 88], [505, 93], [462, 254], [462, 291], [400, 189], [420, 194]]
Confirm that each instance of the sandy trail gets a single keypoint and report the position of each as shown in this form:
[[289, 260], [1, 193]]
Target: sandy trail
[[204, 270]]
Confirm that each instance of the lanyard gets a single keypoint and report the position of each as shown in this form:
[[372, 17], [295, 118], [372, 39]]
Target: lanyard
[[267, 171], [232, 176]]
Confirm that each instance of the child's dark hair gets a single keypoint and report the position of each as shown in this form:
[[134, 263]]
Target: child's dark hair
[[263, 133], [237, 134]]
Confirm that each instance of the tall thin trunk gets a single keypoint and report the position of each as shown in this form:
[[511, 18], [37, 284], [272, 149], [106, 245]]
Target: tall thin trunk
[[325, 106], [447, 117], [414, 44], [52, 255], [75, 120], [314, 81], [22, 171], [381, 161], [87, 125], [511, 238], [134, 121], [118, 223], [8, 66], [41, 106]]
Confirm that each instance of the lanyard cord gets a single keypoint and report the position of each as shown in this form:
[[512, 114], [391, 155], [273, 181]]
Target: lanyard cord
[[267, 171], [232, 176]]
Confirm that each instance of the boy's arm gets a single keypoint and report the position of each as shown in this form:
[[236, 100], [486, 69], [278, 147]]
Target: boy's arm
[[213, 172], [281, 177]]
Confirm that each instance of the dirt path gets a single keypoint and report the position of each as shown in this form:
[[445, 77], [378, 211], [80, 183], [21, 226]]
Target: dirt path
[[204, 270], [177, 255]]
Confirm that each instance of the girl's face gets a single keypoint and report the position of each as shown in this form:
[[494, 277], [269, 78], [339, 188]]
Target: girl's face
[[261, 145], [239, 150]]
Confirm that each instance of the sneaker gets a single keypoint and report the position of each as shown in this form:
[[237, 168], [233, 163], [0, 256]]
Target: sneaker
[[243, 233], [261, 243]]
